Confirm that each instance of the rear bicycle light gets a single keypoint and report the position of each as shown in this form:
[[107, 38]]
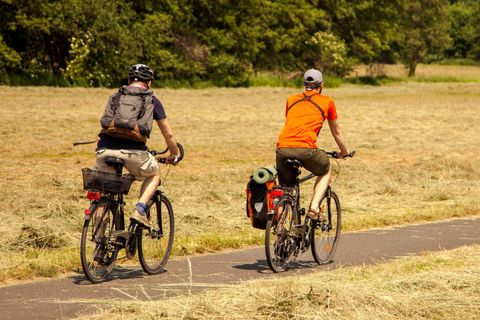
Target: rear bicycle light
[[93, 195], [277, 193], [273, 197]]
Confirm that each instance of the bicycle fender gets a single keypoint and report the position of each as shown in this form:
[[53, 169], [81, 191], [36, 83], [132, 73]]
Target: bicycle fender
[[87, 215]]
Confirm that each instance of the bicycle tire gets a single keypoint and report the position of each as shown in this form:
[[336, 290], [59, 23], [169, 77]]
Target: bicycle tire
[[97, 255], [325, 236], [279, 243], [155, 245]]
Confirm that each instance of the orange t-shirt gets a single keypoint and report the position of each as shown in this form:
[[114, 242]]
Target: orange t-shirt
[[304, 120]]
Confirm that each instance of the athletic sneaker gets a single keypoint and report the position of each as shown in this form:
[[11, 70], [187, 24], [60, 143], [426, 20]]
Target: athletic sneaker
[[140, 219]]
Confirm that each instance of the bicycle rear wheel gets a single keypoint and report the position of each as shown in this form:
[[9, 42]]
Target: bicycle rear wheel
[[326, 235], [155, 245], [279, 241], [97, 254]]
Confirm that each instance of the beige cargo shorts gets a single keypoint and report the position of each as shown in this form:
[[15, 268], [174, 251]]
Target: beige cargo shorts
[[139, 163]]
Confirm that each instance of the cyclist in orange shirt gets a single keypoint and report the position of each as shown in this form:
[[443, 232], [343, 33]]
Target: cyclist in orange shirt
[[305, 113]]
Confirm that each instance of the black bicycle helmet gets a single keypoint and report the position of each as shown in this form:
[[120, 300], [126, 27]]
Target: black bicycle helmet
[[140, 72]]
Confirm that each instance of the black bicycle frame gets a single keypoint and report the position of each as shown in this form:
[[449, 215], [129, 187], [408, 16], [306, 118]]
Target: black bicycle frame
[[158, 199], [297, 192], [297, 186]]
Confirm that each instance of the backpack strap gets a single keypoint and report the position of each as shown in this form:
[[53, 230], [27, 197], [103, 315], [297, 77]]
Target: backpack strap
[[142, 111], [116, 101], [309, 99]]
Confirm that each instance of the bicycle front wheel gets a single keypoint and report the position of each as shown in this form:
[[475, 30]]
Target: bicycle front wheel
[[279, 241], [97, 254], [326, 235], [155, 244]]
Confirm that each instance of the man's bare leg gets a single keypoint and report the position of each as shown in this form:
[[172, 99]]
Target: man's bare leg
[[319, 189], [148, 189]]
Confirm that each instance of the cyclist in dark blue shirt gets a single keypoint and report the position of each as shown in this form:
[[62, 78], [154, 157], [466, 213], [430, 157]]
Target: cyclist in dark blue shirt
[[138, 161]]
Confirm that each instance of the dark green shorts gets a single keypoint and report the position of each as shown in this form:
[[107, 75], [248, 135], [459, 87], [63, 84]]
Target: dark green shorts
[[314, 160]]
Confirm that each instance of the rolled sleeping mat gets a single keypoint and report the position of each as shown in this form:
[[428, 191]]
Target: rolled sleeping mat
[[265, 174]]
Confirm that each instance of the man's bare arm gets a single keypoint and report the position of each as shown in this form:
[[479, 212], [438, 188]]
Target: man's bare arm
[[338, 136], [168, 135]]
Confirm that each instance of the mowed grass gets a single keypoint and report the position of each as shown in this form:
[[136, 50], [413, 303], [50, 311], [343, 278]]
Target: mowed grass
[[424, 72], [417, 160], [441, 285]]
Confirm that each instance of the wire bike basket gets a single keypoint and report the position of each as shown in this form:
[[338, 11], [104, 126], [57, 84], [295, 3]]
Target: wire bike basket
[[101, 181]]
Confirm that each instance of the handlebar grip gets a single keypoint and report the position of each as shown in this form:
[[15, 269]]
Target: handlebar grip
[[336, 155], [350, 155], [163, 160], [182, 152]]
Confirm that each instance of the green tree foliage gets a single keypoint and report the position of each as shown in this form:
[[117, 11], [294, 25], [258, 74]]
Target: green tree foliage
[[224, 42], [100, 43], [425, 30], [328, 53], [8, 56], [368, 27], [462, 30], [474, 39]]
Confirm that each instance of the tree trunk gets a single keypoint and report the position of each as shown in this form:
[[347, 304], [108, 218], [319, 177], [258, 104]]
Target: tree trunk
[[412, 66]]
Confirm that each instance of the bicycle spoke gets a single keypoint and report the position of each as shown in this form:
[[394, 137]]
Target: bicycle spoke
[[155, 244], [325, 235], [97, 256], [279, 243]]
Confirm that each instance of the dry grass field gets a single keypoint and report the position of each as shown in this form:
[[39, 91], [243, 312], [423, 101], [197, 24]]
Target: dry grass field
[[417, 160], [442, 285], [424, 72]]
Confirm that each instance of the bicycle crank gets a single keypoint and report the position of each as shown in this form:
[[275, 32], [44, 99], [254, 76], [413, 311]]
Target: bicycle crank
[[131, 243]]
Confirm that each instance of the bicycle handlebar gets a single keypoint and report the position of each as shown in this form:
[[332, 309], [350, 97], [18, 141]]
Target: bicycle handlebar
[[336, 155], [163, 160]]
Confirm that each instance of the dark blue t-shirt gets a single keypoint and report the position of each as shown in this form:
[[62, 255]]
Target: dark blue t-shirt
[[109, 142]]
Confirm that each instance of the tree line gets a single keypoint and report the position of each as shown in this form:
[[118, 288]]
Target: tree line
[[225, 42]]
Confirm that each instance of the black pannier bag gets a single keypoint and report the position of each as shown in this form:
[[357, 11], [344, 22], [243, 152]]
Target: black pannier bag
[[258, 202]]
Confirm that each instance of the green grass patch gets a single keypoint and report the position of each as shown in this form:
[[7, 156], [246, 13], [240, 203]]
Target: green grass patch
[[41, 79]]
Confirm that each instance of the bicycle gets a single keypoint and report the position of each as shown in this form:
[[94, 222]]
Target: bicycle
[[286, 235], [104, 233]]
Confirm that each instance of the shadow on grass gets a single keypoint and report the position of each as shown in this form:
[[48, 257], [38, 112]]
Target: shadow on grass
[[371, 80]]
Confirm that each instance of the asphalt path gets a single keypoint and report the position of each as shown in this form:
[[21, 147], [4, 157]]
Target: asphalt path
[[69, 297]]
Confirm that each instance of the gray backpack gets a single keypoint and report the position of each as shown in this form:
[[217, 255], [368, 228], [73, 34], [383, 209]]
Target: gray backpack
[[129, 114]]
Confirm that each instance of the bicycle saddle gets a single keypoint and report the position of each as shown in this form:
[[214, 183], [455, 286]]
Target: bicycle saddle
[[292, 163], [114, 161]]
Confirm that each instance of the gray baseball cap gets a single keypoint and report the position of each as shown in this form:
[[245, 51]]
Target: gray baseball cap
[[312, 76]]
